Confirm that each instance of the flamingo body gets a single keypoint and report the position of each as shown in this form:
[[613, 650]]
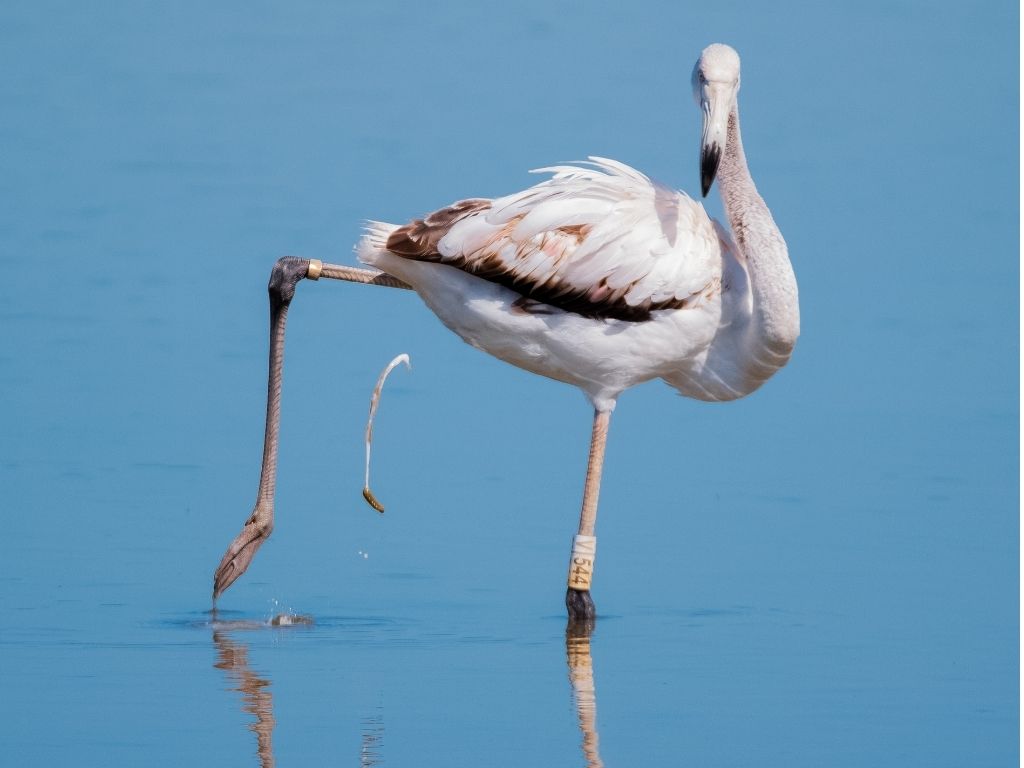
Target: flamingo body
[[597, 277]]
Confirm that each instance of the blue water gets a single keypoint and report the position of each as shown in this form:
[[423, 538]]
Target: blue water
[[825, 573]]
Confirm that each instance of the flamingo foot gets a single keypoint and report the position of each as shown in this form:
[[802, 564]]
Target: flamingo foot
[[580, 605], [257, 529]]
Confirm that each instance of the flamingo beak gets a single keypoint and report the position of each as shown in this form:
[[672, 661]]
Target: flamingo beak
[[715, 103]]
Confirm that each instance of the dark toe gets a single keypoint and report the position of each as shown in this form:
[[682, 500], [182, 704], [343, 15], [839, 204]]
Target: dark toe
[[580, 605]]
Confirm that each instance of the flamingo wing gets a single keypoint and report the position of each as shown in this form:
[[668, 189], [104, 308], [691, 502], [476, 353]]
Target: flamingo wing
[[601, 240]]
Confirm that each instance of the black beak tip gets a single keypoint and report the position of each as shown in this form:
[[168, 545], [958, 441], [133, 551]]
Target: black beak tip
[[709, 161]]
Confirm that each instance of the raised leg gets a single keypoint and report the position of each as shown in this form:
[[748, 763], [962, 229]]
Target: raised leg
[[286, 274], [584, 547]]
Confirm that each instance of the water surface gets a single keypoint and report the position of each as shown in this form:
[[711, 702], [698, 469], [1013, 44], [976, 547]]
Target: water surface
[[822, 574]]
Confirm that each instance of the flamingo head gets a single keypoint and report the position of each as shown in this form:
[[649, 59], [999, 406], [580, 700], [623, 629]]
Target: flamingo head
[[716, 81]]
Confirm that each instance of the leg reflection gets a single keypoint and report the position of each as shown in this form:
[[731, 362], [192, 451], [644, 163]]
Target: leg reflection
[[373, 737], [581, 676], [233, 658]]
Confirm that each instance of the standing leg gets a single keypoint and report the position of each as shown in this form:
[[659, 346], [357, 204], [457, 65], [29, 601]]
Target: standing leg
[[584, 546]]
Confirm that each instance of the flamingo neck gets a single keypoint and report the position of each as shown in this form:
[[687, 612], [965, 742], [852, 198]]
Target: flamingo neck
[[775, 312]]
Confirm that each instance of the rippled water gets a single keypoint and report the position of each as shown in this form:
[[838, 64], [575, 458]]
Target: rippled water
[[823, 574]]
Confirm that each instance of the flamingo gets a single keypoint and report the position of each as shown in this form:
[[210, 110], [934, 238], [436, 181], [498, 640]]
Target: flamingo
[[597, 277]]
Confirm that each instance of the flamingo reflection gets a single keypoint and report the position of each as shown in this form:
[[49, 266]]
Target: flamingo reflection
[[257, 699], [581, 677], [233, 658]]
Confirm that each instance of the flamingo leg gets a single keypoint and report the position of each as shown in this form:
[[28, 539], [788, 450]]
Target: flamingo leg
[[581, 564], [287, 273]]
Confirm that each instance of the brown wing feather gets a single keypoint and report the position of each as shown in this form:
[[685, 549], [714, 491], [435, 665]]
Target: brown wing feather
[[419, 238]]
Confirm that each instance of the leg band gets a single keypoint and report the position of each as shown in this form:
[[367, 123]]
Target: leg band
[[581, 564]]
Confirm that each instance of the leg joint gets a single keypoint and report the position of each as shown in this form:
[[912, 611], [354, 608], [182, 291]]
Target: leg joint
[[284, 277]]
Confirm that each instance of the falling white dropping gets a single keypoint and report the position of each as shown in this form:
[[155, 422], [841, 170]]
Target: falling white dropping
[[374, 402]]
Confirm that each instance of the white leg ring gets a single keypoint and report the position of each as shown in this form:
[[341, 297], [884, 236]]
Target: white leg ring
[[581, 564]]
